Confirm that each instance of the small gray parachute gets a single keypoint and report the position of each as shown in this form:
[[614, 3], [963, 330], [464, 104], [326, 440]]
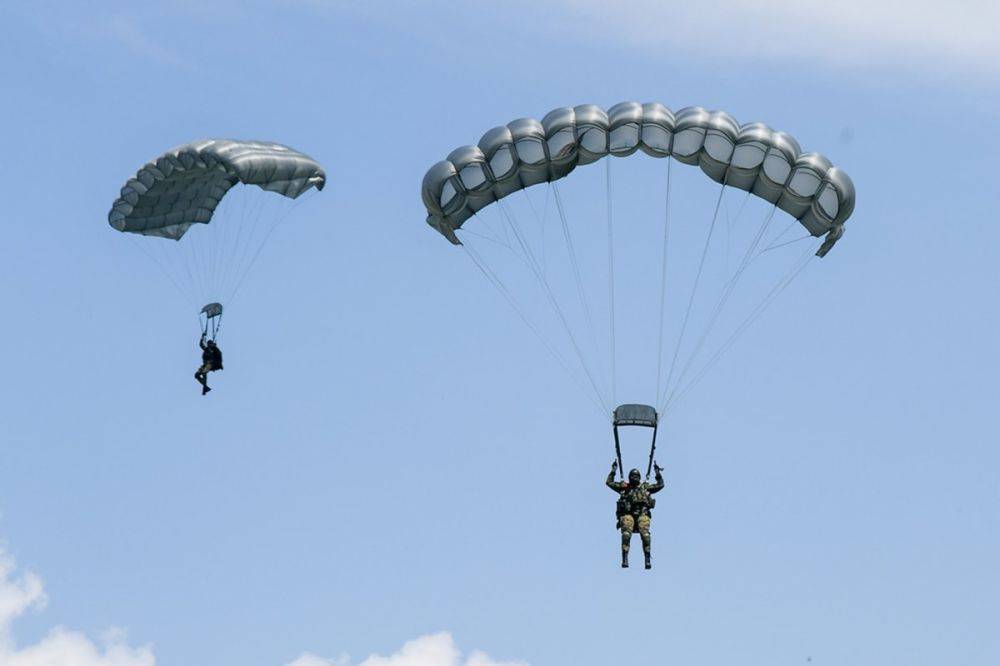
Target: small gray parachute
[[185, 184]]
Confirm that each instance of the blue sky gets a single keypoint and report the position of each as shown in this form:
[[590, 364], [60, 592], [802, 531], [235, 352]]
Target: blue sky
[[390, 453]]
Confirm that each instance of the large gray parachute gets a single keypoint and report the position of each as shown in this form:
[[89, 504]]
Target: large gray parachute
[[184, 185], [752, 157]]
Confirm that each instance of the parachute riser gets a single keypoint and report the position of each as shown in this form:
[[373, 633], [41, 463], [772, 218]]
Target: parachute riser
[[635, 415], [618, 454], [652, 451], [211, 326]]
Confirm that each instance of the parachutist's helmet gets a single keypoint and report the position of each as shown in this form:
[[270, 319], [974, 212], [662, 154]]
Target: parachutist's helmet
[[634, 477]]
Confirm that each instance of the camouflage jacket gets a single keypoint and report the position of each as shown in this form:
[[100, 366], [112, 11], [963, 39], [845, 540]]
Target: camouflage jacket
[[212, 355], [636, 501]]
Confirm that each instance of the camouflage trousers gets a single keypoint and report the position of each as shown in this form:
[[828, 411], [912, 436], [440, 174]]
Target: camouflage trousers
[[629, 524], [202, 373]]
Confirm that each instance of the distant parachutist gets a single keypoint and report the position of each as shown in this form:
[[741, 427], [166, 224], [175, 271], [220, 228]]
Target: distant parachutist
[[211, 360]]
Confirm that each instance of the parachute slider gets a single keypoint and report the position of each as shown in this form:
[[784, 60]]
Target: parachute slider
[[635, 415], [212, 310]]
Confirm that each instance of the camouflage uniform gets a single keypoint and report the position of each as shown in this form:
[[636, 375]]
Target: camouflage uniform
[[633, 511]]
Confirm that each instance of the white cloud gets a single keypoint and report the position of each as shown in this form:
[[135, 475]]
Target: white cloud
[[127, 32], [956, 37], [22, 593], [431, 650], [960, 34], [312, 660]]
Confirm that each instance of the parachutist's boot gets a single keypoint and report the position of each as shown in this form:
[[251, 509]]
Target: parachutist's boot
[[649, 565], [624, 559], [205, 389]]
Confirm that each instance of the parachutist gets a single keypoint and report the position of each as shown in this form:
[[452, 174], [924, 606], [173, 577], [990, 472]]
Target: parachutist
[[635, 502], [182, 188], [211, 360]]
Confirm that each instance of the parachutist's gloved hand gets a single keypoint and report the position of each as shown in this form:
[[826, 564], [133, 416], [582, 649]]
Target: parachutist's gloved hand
[[614, 465]]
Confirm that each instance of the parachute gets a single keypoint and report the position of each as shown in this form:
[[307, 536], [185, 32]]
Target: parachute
[[184, 187], [471, 194]]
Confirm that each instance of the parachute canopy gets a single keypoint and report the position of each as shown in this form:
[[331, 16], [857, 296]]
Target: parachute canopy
[[185, 185], [752, 157]]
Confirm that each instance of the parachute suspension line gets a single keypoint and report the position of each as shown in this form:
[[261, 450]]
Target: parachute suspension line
[[245, 239], [574, 262], [469, 232], [492, 238], [533, 264], [209, 248], [774, 240], [729, 225], [611, 276], [191, 291], [545, 216], [219, 242], [267, 236], [192, 260], [505, 292], [199, 251], [232, 249], [694, 291], [158, 256], [170, 276], [727, 291], [800, 264], [772, 246], [541, 219], [256, 253], [577, 274], [164, 251], [487, 223], [663, 282], [235, 221], [258, 209], [487, 226]]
